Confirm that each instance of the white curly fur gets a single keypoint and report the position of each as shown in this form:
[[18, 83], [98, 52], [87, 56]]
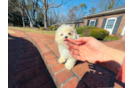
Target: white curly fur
[[61, 32]]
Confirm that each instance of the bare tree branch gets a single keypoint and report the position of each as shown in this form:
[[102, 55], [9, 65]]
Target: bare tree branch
[[59, 5]]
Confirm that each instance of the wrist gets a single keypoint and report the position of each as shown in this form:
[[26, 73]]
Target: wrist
[[113, 59], [112, 54]]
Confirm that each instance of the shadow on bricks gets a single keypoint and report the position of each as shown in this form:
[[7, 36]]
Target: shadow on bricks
[[26, 68], [99, 77]]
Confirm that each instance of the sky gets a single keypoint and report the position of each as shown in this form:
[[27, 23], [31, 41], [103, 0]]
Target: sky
[[89, 3]]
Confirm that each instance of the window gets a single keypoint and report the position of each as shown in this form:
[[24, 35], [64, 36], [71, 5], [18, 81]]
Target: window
[[77, 25], [110, 23], [92, 23]]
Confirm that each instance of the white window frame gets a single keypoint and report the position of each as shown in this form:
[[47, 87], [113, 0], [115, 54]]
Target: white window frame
[[113, 24], [91, 21]]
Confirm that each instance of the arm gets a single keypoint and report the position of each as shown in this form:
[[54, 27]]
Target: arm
[[113, 59]]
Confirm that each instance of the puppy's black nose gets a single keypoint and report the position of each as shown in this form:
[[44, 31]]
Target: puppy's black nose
[[66, 37]]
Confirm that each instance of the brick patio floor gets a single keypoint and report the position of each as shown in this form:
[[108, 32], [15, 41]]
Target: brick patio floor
[[83, 75], [26, 68]]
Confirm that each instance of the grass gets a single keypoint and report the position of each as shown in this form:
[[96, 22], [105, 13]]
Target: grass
[[9, 31], [34, 30], [81, 35], [110, 38]]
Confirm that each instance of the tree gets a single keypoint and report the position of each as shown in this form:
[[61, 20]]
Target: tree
[[76, 12], [106, 4], [47, 4], [40, 18], [92, 11], [32, 6], [17, 5], [83, 8], [111, 4]]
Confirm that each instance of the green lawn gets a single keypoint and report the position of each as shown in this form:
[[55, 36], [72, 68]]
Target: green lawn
[[110, 38], [35, 30]]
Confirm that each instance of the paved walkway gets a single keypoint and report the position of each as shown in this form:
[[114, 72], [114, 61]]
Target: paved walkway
[[26, 68], [83, 75]]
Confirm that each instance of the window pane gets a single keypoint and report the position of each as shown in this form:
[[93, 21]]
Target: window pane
[[110, 23], [92, 23]]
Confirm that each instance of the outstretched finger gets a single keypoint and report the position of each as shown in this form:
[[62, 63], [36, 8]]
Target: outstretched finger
[[74, 51], [72, 45], [76, 56], [83, 39], [73, 41]]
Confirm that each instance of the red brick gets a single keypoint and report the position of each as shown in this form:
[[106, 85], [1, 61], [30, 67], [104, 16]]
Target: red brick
[[11, 63], [49, 53], [56, 52], [27, 65], [49, 57], [54, 61], [25, 60], [53, 45], [48, 85], [54, 48], [37, 81], [58, 55], [64, 75], [45, 50], [72, 83], [110, 44], [119, 46], [81, 69], [19, 76], [57, 67], [123, 49]]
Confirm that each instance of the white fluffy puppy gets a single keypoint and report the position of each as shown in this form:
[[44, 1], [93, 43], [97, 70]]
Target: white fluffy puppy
[[65, 31]]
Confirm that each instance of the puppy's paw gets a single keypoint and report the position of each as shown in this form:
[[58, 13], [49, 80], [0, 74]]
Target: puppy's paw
[[69, 66], [61, 60]]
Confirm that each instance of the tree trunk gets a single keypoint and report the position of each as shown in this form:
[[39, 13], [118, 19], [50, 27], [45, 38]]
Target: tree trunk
[[23, 21], [45, 18], [30, 20], [22, 14]]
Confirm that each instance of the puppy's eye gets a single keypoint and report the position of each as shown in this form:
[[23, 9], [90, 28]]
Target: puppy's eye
[[61, 34], [69, 33]]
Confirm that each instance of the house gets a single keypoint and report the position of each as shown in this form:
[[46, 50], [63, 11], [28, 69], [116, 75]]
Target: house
[[76, 23], [112, 20], [57, 24]]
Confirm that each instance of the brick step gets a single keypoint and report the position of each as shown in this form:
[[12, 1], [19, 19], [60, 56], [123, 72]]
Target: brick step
[[83, 75]]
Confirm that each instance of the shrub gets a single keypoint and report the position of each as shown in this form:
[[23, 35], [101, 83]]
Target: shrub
[[80, 29], [99, 33], [10, 24], [42, 28], [86, 32], [51, 27]]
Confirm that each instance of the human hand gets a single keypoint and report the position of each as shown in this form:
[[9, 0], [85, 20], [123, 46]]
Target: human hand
[[86, 49]]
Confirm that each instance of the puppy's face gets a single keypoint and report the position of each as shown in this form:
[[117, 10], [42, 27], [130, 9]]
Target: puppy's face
[[64, 31]]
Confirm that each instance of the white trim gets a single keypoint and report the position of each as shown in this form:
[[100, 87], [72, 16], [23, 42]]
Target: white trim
[[123, 31], [121, 9], [110, 29], [91, 21]]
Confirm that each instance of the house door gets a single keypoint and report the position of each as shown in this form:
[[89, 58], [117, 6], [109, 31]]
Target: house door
[[123, 31]]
